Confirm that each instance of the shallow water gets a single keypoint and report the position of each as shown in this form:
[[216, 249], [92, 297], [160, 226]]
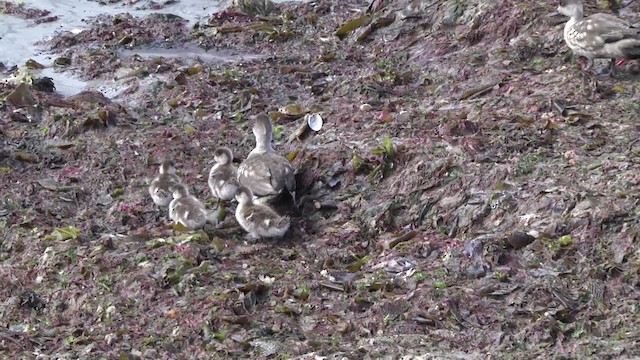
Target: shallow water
[[190, 52], [18, 36]]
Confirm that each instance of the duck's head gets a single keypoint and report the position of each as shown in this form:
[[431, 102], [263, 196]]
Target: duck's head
[[179, 191], [570, 8], [223, 155], [262, 129], [244, 195], [167, 167]]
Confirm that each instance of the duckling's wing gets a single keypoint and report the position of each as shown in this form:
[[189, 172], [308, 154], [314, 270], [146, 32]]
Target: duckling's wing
[[224, 183], [197, 213], [193, 203], [261, 217], [223, 174]]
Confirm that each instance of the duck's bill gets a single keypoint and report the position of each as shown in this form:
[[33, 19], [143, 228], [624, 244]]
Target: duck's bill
[[554, 14]]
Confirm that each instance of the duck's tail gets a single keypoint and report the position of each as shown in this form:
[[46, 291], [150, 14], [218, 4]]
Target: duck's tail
[[631, 49], [283, 204]]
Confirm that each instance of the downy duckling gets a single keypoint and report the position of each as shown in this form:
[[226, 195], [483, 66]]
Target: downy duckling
[[267, 174], [599, 35], [161, 188], [259, 220], [223, 177], [185, 209]]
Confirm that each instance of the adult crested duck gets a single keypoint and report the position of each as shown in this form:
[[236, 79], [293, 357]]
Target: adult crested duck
[[161, 188], [267, 174], [223, 177], [259, 220], [599, 35], [185, 209]]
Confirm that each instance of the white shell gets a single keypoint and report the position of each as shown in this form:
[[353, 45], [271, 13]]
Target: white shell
[[314, 121]]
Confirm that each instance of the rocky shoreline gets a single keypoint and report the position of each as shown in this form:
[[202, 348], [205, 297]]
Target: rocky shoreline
[[471, 193]]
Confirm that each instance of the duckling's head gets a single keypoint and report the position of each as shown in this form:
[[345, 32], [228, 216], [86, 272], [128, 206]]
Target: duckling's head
[[244, 195], [570, 8], [167, 167], [223, 155], [262, 129], [180, 191]]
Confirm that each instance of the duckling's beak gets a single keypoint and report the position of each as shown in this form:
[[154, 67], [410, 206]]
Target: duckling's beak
[[554, 14]]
